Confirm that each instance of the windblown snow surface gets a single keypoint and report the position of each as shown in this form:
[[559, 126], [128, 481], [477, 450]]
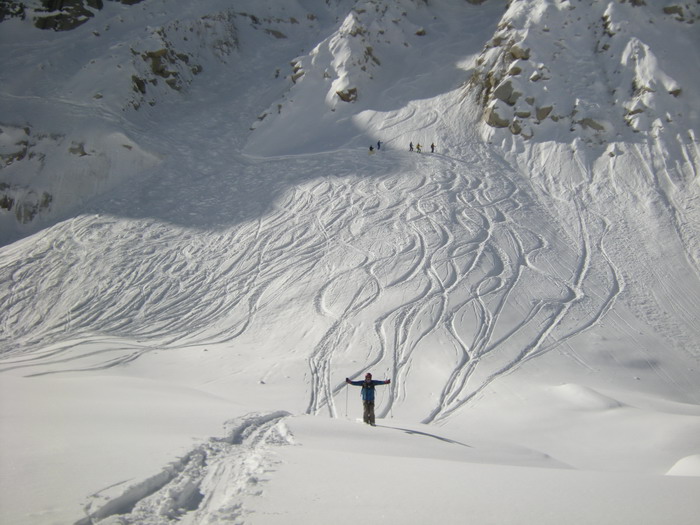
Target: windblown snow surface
[[198, 248]]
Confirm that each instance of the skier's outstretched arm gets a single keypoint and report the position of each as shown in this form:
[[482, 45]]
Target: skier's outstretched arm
[[354, 383]]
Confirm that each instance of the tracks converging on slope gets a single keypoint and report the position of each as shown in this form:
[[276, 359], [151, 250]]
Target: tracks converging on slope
[[401, 259], [453, 256]]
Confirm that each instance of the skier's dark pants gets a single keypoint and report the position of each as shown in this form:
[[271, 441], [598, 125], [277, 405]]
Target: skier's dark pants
[[368, 416]]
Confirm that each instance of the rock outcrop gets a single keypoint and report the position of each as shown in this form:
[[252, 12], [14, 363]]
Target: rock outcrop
[[533, 79]]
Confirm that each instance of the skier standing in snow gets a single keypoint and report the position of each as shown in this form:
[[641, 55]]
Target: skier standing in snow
[[432, 148], [368, 395], [379, 145], [410, 147]]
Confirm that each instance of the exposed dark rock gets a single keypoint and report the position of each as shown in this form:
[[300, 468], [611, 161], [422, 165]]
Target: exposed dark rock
[[28, 206], [347, 95], [139, 84], [493, 119], [10, 9], [506, 93], [277, 34], [57, 15], [543, 113], [590, 123]]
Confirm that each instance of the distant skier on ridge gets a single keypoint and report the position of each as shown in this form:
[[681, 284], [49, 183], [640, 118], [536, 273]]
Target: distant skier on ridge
[[368, 395]]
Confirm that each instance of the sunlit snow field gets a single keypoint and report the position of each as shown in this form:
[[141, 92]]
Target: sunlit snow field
[[177, 330]]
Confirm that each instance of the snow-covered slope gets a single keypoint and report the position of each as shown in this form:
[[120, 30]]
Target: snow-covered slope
[[199, 246]]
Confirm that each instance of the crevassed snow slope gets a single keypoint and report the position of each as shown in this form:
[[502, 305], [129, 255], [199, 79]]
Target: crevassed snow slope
[[244, 275]]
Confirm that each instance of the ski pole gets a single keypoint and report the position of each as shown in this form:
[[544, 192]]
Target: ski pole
[[346, 401]]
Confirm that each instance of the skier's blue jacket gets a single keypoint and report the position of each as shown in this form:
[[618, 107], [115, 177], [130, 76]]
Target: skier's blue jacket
[[368, 388]]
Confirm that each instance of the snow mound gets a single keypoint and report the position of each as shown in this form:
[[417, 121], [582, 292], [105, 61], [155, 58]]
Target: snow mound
[[687, 466], [585, 398]]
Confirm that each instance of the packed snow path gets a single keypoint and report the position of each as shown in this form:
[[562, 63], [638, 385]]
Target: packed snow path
[[399, 257], [208, 481]]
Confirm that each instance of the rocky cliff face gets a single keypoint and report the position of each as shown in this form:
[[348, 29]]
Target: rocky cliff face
[[57, 15], [341, 68], [61, 128], [601, 79]]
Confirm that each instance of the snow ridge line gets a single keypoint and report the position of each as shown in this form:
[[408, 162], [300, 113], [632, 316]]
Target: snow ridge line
[[207, 482]]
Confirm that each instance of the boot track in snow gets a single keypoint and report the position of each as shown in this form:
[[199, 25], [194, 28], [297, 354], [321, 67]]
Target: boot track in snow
[[206, 483]]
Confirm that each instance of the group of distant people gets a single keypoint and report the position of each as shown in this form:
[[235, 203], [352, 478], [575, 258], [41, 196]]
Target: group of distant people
[[417, 149], [379, 146]]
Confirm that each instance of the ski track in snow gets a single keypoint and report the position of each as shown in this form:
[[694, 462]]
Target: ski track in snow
[[446, 265], [436, 251], [206, 485], [463, 252]]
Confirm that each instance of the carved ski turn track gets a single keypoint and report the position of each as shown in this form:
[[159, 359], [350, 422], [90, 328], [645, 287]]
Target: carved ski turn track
[[412, 257]]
